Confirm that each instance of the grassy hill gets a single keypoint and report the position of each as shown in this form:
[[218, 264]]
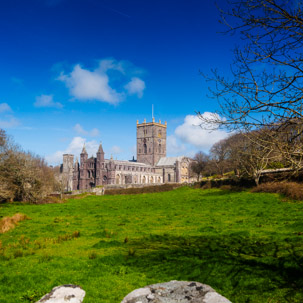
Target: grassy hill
[[248, 246]]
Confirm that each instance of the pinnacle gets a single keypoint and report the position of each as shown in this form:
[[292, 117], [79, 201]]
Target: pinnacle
[[84, 149], [100, 150]]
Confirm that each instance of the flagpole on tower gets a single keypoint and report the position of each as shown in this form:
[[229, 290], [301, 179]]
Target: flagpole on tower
[[153, 112]]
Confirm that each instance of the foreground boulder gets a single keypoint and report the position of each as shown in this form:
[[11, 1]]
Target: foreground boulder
[[64, 294], [175, 291]]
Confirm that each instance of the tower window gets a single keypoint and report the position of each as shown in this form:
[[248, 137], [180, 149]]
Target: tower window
[[159, 148], [145, 148]]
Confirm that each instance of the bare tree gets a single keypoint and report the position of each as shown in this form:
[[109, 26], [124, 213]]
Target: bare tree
[[220, 155], [23, 176], [199, 164], [251, 154], [266, 88]]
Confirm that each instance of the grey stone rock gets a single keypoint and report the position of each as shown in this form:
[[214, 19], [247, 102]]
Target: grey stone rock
[[175, 292], [64, 294]]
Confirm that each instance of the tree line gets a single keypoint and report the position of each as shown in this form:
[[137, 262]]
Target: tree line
[[23, 175], [243, 155]]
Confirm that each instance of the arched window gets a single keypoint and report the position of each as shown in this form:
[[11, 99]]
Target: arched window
[[168, 177], [145, 148], [159, 148]]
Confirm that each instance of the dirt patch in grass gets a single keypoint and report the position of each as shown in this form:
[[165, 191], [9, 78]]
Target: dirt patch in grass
[[8, 223]]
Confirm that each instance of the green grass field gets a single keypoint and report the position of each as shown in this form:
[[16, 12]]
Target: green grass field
[[247, 246]]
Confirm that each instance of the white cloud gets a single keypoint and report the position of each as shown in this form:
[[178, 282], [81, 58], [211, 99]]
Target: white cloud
[[116, 150], [191, 132], [47, 101], [9, 122], [97, 84], [81, 131], [135, 87], [173, 146], [75, 148], [4, 107]]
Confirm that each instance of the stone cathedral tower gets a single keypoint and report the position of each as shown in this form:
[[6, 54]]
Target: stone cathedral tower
[[151, 142]]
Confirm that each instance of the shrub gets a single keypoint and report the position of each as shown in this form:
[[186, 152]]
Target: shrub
[[92, 255], [291, 190], [142, 190], [49, 200], [18, 253], [76, 234]]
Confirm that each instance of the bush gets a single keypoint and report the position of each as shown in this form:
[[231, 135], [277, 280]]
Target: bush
[[234, 182], [142, 190], [291, 190]]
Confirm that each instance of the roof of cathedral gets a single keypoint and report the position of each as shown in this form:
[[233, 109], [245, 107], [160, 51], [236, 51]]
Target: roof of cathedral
[[169, 161], [126, 162]]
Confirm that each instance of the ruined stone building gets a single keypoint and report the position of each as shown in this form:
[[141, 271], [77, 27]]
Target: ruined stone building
[[151, 167]]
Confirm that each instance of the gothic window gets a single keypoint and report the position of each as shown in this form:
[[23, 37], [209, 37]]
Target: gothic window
[[149, 150], [145, 148], [159, 148], [139, 151], [168, 177], [104, 178]]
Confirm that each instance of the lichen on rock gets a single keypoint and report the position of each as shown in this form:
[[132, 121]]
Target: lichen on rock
[[175, 292]]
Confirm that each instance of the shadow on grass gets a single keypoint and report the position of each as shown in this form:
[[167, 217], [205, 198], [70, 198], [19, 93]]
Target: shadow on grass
[[241, 268]]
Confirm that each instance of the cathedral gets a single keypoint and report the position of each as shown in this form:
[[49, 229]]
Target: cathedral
[[151, 166]]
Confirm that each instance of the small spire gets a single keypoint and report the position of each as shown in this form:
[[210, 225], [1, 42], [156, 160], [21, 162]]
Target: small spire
[[153, 119], [159, 121], [144, 120], [77, 161], [111, 157], [100, 149], [84, 149], [137, 121]]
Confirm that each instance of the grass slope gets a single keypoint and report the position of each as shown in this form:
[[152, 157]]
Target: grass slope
[[248, 246]]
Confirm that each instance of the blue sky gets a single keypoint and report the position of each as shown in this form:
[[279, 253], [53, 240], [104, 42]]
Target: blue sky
[[75, 71]]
